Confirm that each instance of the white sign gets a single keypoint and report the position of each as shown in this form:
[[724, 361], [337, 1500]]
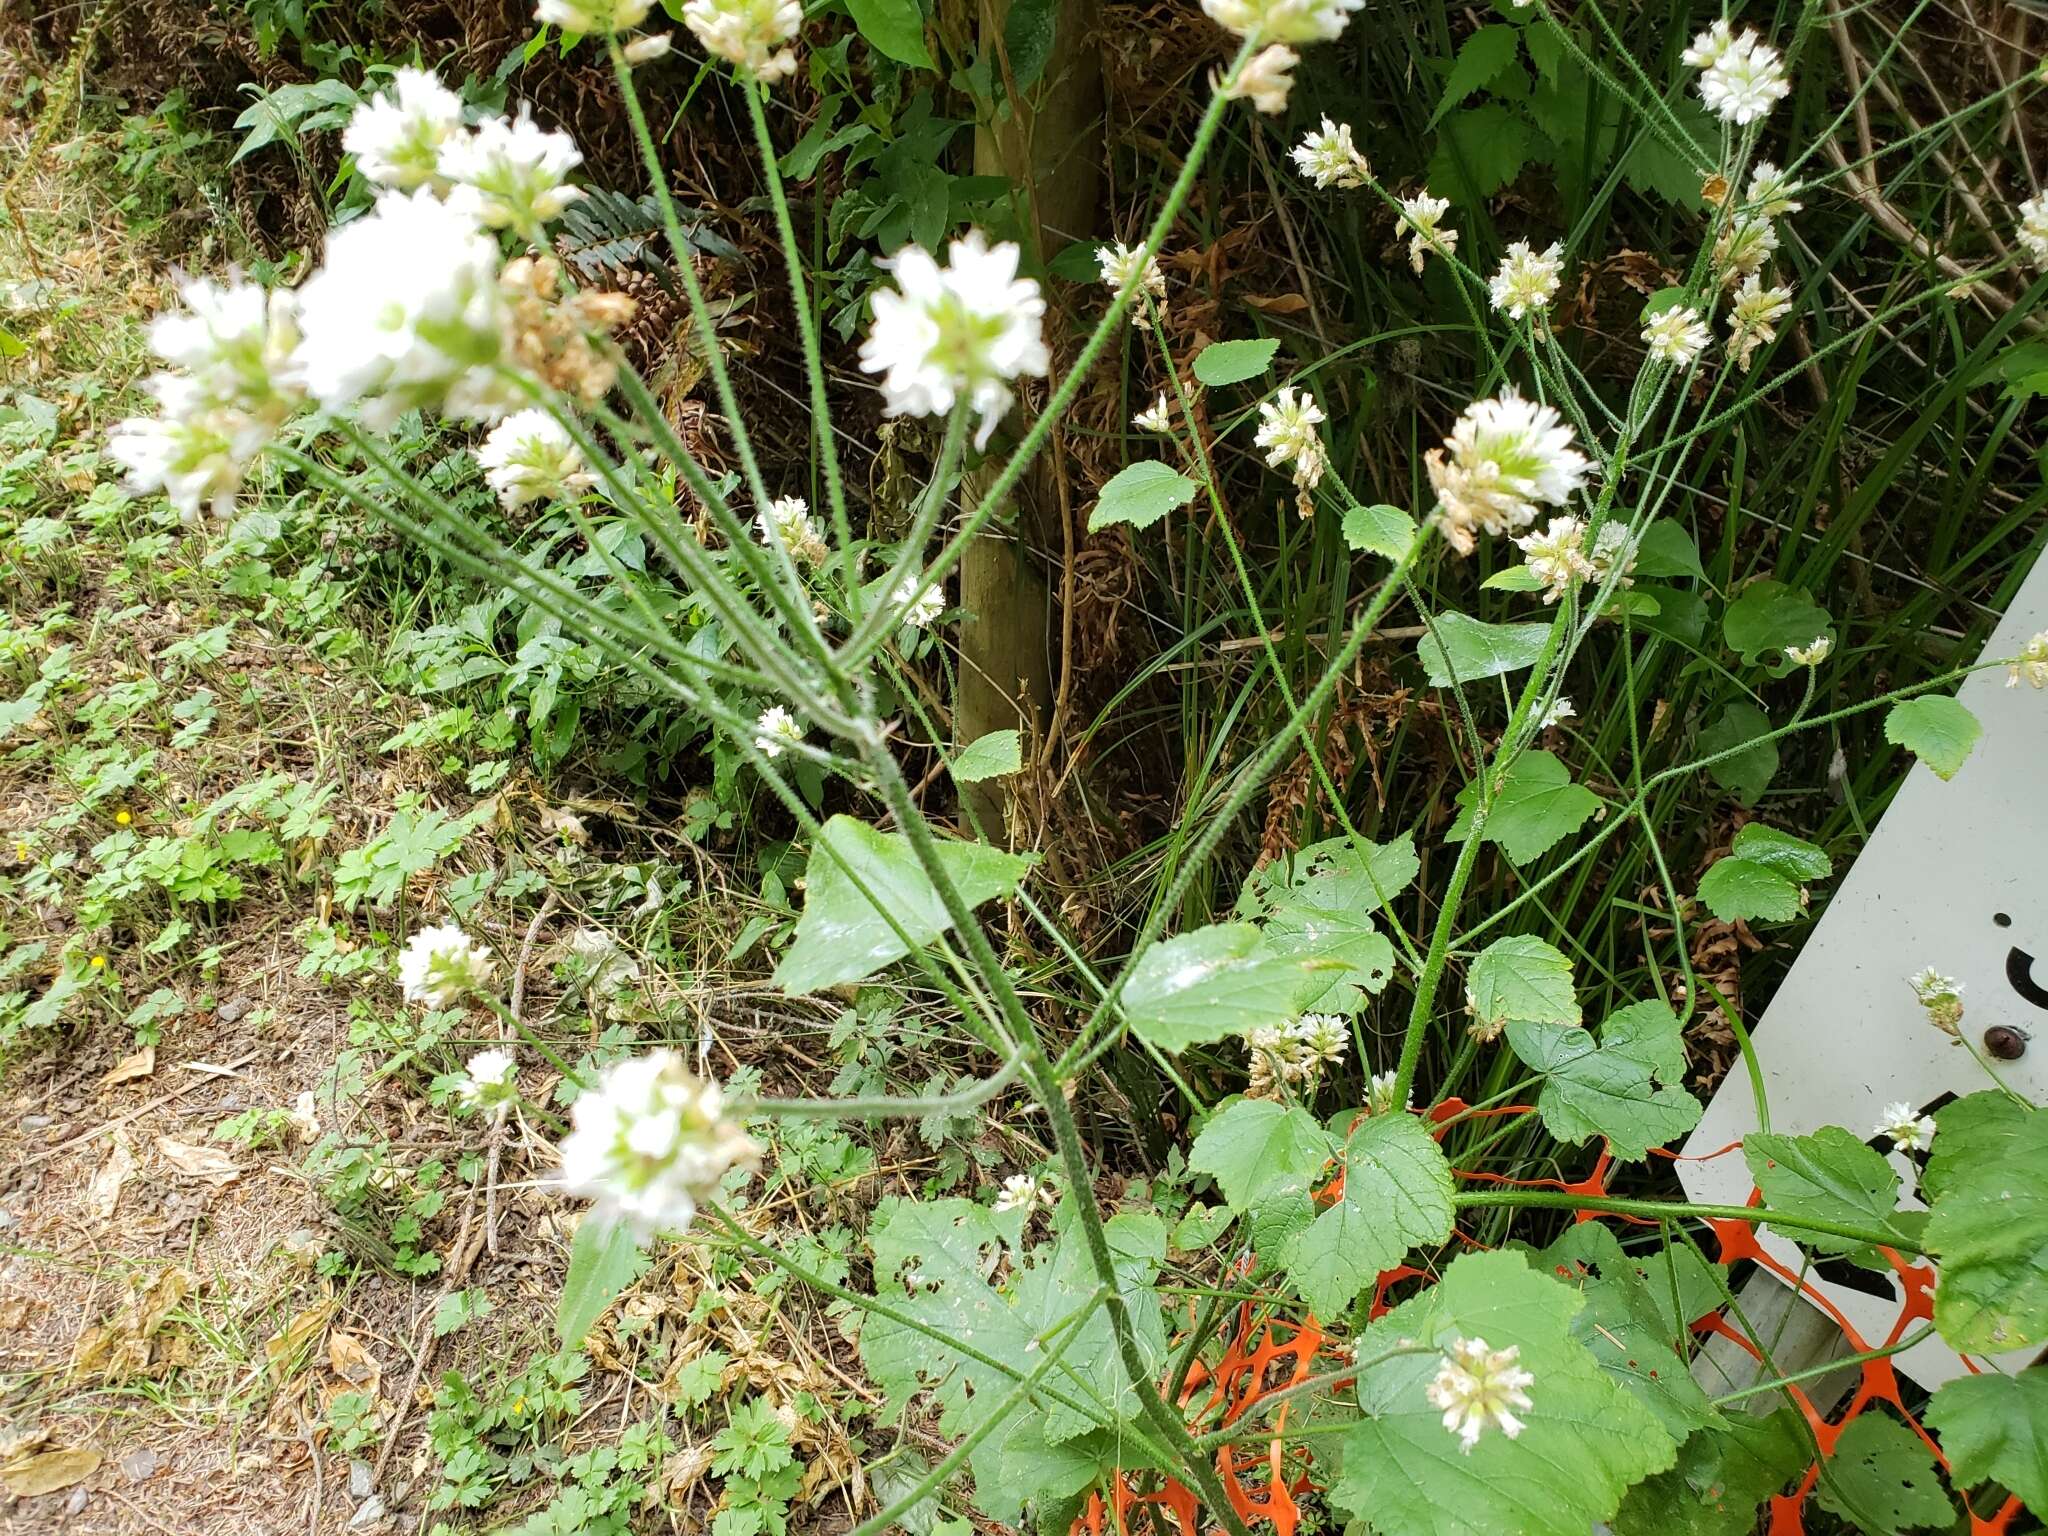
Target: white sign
[[1955, 877]]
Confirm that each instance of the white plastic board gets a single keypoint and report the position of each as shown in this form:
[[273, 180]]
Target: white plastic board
[[1955, 876]]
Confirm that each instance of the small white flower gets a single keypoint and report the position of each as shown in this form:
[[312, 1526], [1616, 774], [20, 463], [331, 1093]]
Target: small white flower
[[955, 333], [1503, 457], [234, 342], [1743, 246], [406, 312], [650, 1143], [645, 50], [748, 34], [1909, 1132], [1560, 710], [530, 457], [1526, 280], [776, 729], [2031, 667], [1811, 654], [1477, 1387], [1328, 158], [439, 965], [519, 171], [196, 454], [1283, 21], [1772, 192], [787, 520], [1294, 1053], [1613, 547], [1742, 77], [1024, 1192], [1268, 79], [1287, 431], [919, 609], [1942, 998], [1156, 417], [1423, 214], [398, 138], [599, 16], [1676, 335], [1121, 264], [489, 1078], [1753, 318], [1379, 1094], [2032, 233], [1557, 556]]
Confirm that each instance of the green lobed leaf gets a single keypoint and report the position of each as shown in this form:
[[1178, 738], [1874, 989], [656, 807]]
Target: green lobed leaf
[[1140, 494], [1584, 1439], [1987, 1183], [1766, 617], [1628, 1086], [1829, 1175], [1994, 1429], [989, 757], [894, 28], [1881, 1478], [1748, 773], [1536, 808], [1738, 888], [1318, 904], [1470, 649], [1521, 979], [1935, 728], [1482, 56], [1211, 984], [1028, 31], [1479, 150], [1256, 1148], [1793, 857], [842, 936], [1379, 530], [1232, 362], [1396, 1196], [1724, 1473], [1666, 548]]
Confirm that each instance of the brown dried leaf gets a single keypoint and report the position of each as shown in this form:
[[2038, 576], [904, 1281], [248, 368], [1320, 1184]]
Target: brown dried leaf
[[208, 1163], [104, 1193], [285, 1346], [347, 1358], [141, 1064], [1279, 303], [48, 1471]]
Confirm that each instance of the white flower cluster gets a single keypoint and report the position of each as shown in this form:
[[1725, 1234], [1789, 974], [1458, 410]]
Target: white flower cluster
[[439, 966], [1124, 266], [1379, 1094], [750, 35], [1741, 76], [956, 334], [2031, 667], [776, 731], [1267, 77], [1560, 556], [1526, 280], [1287, 431], [1676, 335], [1503, 457], [1328, 158], [1942, 997], [230, 386], [1294, 1054], [529, 456], [1909, 1132], [1477, 1388], [1423, 215], [2033, 230], [490, 1079], [601, 17], [1025, 1192], [1156, 417], [787, 521], [1753, 318], [920, 609], [649, 1143], [413, 138]]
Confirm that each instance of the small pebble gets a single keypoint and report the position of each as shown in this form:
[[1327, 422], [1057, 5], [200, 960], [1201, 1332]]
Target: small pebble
[[139, 1466], [360, 1480], [370, 1514]]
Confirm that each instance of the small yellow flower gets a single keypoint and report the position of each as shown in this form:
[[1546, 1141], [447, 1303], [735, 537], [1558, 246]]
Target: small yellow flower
[[123, 816], [20, 849], [99, 962]]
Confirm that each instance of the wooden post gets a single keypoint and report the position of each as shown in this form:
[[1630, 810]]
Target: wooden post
[[1050, 144]]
